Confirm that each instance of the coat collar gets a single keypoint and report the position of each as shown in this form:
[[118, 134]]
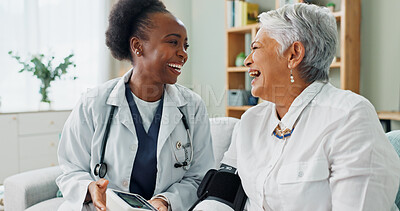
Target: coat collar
[[117, 95], [171, 116]]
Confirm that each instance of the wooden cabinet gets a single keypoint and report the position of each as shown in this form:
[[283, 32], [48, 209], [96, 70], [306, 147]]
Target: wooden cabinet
[[345, 70], [29, 140]]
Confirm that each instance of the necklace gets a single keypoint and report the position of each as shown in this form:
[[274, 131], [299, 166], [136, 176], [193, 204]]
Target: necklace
[[281, 134]]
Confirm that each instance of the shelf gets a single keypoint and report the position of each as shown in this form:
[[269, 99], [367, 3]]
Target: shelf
[[389, 115], [238, 108], [243, 29], [336, 64], [237, 69], [338, 15]]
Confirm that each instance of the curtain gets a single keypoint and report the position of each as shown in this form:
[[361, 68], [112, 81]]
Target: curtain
[[53, 28]]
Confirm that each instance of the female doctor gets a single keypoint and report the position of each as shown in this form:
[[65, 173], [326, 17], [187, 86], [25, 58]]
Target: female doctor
[[159, 142]]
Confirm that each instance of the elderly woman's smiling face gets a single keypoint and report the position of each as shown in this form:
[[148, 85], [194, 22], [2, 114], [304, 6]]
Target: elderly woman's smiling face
[[269, 69]]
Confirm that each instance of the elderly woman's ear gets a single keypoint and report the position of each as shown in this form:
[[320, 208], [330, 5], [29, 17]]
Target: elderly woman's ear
[[295, 54]]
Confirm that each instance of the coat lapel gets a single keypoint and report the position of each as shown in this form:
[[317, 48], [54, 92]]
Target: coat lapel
[[117, 98], [171, 115]]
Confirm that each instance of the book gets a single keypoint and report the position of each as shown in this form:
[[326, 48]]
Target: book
[[249, 13], [230, 7], [238, 13]]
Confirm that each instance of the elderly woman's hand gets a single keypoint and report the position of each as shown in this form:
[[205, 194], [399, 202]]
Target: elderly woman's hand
[[159, 204]]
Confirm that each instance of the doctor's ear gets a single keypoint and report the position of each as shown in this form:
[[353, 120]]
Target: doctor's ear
[[136, 47]]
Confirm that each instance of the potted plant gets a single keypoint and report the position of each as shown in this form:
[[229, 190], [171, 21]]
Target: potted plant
[[43, 69]]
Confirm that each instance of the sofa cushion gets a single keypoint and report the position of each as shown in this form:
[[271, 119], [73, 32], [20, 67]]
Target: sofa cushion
[[394, 138], [48, 205], [221, 133]]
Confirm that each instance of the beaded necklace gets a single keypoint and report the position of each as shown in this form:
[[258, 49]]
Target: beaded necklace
[[281, 134]]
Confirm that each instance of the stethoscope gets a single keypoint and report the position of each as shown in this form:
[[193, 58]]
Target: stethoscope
[[101, 168]]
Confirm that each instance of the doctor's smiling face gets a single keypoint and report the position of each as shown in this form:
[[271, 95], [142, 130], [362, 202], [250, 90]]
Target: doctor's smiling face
[[267, 66], [164, 52]]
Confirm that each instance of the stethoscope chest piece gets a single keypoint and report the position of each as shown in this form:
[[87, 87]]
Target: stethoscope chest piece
[[100, 170]]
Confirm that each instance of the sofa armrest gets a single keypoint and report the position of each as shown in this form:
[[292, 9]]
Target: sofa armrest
[[221, 134], [28, 188]]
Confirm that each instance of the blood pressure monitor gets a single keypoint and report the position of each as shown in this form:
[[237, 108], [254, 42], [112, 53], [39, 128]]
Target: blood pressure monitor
[[123, 201]]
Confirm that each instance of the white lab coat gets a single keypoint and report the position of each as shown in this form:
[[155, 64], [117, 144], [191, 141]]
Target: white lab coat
[[81, 139]]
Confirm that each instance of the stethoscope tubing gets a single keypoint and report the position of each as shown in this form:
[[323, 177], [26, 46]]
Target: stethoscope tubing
[[176, 165]]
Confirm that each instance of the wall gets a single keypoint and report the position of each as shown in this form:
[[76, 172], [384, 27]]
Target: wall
[[380, 44], [208, 53]]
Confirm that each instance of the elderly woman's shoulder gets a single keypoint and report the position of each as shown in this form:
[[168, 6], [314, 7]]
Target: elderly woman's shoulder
[[341, 99], [264, 107]]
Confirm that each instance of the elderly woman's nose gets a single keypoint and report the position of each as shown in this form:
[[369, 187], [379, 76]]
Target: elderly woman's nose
[[248, 61]]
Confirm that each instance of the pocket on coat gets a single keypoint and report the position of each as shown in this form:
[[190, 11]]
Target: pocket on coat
[[303, 172]]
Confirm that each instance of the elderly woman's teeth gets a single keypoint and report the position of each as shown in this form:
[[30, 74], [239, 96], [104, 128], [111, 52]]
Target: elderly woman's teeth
[[254, 73]]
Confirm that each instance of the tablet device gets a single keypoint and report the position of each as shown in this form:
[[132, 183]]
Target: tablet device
[[124, 201]]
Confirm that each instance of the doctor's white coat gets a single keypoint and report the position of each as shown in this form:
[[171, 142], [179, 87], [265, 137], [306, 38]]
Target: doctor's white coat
[[81, 139]]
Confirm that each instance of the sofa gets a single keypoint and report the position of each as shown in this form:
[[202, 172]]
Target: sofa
[[37, 191]]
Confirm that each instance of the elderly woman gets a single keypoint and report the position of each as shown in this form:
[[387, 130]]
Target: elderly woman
[[311, 146]]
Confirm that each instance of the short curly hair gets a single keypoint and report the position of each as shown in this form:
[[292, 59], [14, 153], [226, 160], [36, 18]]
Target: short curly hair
[[130, 18]]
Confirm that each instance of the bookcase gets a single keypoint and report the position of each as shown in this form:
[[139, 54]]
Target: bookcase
[[345, 70]]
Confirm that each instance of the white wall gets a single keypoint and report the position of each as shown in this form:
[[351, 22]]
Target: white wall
[[208, 53], [380, 55]]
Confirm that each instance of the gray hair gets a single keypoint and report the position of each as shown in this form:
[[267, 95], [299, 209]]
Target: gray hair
[[314, 26]]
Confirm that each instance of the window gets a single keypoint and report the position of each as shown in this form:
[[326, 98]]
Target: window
[[52, 27]]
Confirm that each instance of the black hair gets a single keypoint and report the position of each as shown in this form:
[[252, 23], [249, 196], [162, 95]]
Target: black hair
[[130, 18]]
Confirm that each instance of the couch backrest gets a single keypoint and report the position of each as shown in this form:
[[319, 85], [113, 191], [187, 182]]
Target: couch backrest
[[221, 133]]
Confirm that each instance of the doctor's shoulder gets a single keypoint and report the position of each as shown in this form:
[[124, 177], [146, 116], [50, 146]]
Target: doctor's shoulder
[[190, 96], [97, 96]]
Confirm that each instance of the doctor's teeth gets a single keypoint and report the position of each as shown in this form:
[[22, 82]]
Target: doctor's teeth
[[175, 66]]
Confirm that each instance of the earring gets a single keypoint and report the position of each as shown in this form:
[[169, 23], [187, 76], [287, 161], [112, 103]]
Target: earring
[[137, 52], [291, 76]]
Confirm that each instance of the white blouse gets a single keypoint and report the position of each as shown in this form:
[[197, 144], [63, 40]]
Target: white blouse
[[337, 158]]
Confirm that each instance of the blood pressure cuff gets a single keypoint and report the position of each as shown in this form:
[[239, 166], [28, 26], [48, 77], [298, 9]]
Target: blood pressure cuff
[[222, 185]]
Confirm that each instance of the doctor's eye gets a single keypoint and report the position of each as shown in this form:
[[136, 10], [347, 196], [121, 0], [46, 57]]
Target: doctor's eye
[[173, 42]]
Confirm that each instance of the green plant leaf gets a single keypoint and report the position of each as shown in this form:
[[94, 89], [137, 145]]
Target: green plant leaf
[[45, 73]]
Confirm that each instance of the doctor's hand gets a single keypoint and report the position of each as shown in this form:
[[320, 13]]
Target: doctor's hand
[[159, 204], [97, 190]]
